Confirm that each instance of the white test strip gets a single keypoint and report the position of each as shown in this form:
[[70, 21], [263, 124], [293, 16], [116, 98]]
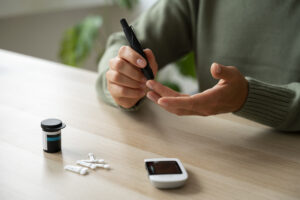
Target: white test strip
[[85, 164], [94, 161], [105, 166], [76, 169], [91, 156]]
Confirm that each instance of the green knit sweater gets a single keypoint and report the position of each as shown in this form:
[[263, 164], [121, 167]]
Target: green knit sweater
[[260, 38]]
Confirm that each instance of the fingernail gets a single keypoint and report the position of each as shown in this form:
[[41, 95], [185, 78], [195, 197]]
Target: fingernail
[[141, 62], [163, 103], [149, 85], [150, 97], [218, 68]]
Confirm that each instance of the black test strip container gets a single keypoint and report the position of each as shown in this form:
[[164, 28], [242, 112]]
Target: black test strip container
[[52, 135]]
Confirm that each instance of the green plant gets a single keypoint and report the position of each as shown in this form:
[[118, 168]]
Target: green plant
[[79, 40], [172, 85], [129, 4], [186, 65]]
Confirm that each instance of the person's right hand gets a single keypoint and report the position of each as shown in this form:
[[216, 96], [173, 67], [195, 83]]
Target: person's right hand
[[125, 80]]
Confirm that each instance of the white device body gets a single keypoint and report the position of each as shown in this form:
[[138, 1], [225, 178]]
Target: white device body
[[167, 181]]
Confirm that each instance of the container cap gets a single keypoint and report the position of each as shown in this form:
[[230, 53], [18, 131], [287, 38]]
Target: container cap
[[52, 125]]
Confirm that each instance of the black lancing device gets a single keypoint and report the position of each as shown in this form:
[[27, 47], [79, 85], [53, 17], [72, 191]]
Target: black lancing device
[[134, 44]]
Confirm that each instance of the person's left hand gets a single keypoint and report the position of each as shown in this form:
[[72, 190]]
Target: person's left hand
[[228, 95]]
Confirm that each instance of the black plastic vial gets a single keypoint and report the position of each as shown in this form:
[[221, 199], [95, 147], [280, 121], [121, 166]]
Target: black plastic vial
[[52, 135]]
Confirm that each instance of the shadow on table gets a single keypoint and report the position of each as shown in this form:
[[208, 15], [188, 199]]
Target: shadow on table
[[51, 160], [147, 116]]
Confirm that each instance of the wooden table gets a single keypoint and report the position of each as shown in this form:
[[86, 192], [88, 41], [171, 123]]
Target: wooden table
[[226, 157]]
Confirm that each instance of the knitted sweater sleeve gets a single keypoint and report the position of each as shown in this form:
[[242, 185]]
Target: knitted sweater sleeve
[[277, 106]]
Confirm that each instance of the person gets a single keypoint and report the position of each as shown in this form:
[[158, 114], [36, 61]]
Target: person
[[247, 55]]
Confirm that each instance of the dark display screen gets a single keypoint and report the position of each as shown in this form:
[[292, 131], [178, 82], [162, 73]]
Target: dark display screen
[[163, 167]]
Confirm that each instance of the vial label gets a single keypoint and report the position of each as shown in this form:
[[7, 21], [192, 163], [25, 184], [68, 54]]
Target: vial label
[[52, 141], [45, 141]]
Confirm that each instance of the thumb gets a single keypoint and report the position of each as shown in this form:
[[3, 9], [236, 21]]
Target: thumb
[[227, 73], [151, 60]]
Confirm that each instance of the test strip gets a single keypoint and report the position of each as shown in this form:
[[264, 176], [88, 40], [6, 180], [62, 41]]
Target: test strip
[[76, 169], [85, 164]]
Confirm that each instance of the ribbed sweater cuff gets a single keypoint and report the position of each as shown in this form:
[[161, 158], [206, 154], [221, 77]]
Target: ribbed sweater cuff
[[266, 103]]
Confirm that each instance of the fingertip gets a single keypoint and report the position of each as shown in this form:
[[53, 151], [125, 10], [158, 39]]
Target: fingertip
[[150, 84], [141, 63], [150, 55], [162, 101], [216, 68], [147, 50], [153, 96], [152, 60], [148, 95], [219, 71]]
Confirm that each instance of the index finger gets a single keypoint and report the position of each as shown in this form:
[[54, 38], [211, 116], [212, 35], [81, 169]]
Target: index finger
[[161, 89], [185, 102], [131, 56]]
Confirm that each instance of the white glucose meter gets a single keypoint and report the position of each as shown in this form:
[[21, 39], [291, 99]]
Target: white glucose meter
[[166, 173]]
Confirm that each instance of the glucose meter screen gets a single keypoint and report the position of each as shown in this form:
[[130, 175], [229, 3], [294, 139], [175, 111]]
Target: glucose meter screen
[[163, 167]]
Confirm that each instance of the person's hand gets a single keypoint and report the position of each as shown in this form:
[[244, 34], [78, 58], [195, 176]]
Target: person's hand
[[228, 95], [125, 81]]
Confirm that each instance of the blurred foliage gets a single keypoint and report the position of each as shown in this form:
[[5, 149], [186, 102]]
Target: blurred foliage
[[129, 4], [171, 85], [78, 41], [186, 65]]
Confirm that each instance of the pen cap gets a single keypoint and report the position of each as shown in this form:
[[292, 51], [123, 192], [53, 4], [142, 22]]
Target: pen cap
[[134, 44], [131, 38], [124, 23]]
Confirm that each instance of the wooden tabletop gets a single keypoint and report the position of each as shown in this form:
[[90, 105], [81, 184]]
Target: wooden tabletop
[[226, 157]]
